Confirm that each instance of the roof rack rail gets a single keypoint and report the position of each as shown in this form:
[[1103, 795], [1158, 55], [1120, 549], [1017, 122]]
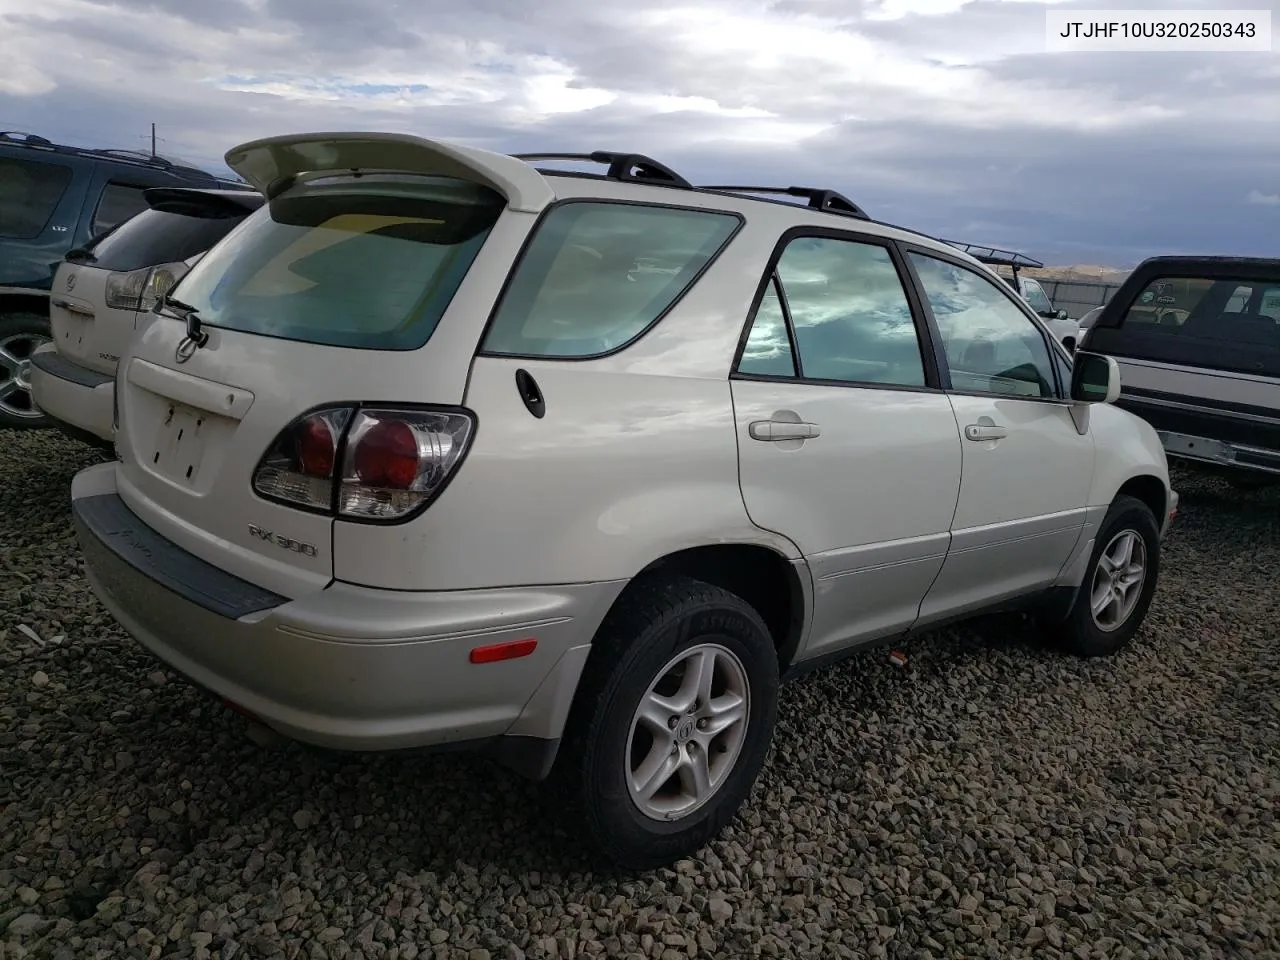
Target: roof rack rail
[[819, 198], [139, 155], [995, 256], [30, 139], [634, 167]]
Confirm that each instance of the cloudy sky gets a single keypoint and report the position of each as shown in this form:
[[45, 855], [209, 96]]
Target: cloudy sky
[[942, 115]]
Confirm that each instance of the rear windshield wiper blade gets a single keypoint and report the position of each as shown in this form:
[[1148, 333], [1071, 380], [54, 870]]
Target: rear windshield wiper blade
[[187, 313]]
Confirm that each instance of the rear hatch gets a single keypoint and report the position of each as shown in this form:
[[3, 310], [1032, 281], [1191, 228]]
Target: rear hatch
[[357, 283], [104, 290]]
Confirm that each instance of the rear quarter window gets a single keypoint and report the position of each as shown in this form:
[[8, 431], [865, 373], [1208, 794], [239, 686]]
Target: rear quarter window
[[1224, 323], [29, 193], [596, 275], [156, 236]]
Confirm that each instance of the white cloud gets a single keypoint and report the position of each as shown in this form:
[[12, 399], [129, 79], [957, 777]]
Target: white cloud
[[1264, 199], [941, 109]]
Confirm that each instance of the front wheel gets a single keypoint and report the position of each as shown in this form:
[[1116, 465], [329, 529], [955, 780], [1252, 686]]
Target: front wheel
[[673, 721], [1116, 592], [20, 334]]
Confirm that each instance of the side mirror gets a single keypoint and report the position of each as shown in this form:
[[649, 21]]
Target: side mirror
[[1061, 315], [1094, 378]]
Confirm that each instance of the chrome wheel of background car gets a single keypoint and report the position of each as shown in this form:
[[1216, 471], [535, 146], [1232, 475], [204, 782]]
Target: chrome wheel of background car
[[1118, 579], [15, 374], [688, 731]]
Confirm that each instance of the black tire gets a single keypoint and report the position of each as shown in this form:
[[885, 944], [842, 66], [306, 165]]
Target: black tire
[[17, 327], [651, 624], [1079, 633]]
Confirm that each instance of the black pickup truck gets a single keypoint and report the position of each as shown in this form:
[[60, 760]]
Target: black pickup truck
[[1198, 344]]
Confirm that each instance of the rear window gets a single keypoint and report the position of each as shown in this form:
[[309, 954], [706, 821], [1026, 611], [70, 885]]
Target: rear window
[[1227, 323], [597, 275], [29, 193], [369, 263], [155, 236]]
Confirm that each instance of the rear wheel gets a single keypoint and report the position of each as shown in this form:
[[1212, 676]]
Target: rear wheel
[[20, 334], [674, 717], [1116, 592]]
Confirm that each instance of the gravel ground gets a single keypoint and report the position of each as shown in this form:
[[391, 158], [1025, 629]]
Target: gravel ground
[[990, 799]]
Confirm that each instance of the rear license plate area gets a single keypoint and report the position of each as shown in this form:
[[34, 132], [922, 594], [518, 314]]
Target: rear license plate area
[[179, 447]]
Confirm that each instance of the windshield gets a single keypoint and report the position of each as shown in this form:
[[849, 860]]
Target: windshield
[[370, 262]]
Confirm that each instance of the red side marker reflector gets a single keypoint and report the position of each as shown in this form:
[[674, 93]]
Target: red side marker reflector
[[511, 650]]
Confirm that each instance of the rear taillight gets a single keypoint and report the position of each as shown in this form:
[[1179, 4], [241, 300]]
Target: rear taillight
[[141, 289], [394, 460], [299, 466]]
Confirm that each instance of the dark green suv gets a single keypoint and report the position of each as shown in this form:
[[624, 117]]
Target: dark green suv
[[54, 198]]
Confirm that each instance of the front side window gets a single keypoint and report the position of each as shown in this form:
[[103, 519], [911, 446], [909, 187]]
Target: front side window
[[29, 193], [991, 346], [848, 312], [596, 275], [118, 203], [369, 263]]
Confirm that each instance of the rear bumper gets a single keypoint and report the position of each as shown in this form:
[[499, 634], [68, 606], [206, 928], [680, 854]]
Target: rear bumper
[[73, 395], [1221, 453], [347, 667]]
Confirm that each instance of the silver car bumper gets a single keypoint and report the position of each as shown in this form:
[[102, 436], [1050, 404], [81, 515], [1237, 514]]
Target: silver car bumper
[[347, 667]]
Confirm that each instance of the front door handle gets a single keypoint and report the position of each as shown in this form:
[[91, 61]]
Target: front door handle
[[985, 431], [770, 430]]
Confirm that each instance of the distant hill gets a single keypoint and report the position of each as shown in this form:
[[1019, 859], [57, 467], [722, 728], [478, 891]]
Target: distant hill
[[1081, 272]]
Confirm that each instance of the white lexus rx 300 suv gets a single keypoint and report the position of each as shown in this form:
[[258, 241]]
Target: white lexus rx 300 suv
[[446, 446], [103, 292]]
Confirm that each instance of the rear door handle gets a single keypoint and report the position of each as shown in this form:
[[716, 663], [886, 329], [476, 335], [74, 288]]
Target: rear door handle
[[985, 431], [769, 430]]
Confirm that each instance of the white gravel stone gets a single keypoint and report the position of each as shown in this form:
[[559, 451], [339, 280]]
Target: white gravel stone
[[989, 799]]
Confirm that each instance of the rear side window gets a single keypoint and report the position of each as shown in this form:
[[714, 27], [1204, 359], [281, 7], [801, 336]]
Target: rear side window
[[1227, 323], [369, 263], [596, 275], [118, 203], [29, 193], [847, 311], [156, 236]]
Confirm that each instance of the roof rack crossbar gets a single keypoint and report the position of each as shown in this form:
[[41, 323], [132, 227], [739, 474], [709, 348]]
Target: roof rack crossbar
[[622, 166], [995, 256], [819, 198]]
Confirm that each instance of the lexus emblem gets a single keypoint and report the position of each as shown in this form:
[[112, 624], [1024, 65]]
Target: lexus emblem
[[71, 281], [185, 350]]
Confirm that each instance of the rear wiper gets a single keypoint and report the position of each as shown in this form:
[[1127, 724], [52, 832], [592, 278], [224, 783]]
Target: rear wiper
[[188, 314]]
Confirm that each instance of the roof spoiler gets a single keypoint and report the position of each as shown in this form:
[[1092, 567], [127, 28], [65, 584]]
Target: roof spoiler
[[215, 201], [274, 164]]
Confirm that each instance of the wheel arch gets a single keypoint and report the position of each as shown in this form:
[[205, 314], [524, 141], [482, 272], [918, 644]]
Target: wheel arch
[[36, 303], [1150, 490], [749, 570]]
